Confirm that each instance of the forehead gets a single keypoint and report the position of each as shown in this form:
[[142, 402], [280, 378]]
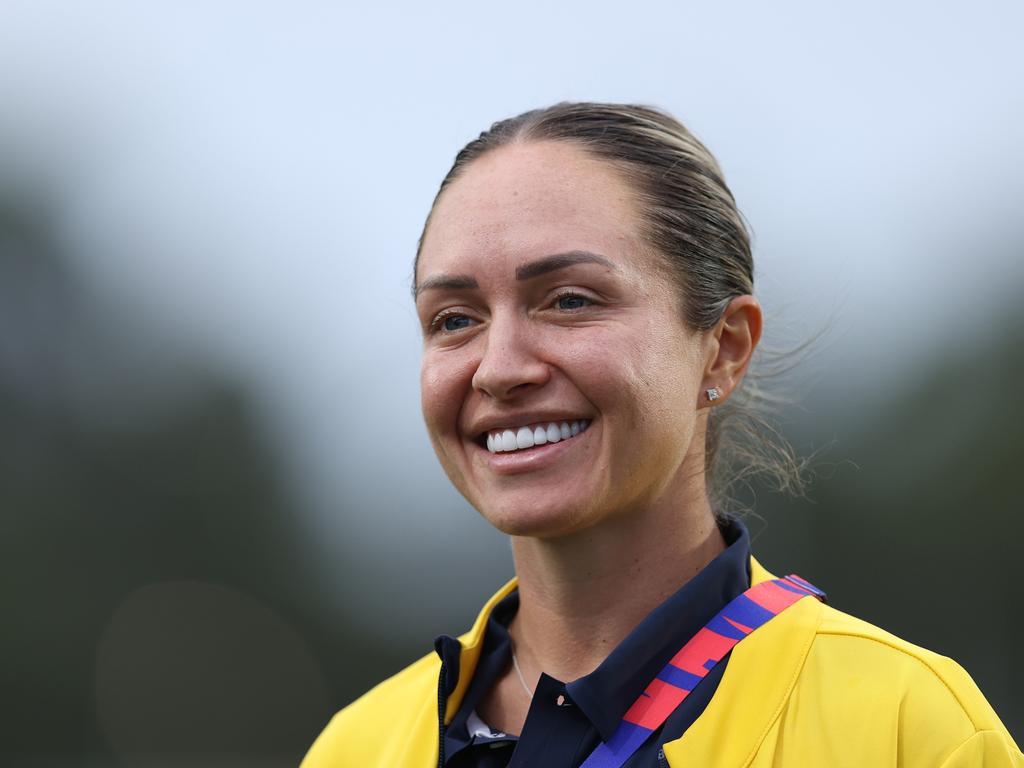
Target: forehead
[[530, 199]]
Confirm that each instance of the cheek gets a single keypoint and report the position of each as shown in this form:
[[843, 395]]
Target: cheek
[[442, 392], [650, 384], [432, 396], [648, 362]]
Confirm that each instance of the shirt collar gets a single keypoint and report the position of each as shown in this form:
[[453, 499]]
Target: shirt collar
[[606, 693]]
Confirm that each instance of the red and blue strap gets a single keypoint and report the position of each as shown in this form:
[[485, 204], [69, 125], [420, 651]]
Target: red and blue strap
[[699, 656]]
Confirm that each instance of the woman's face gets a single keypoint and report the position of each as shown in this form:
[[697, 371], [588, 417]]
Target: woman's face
[[541, 306]]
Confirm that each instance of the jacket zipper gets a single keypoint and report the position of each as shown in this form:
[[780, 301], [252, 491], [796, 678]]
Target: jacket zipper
[[442, 704], [662, 760], [448, 649]]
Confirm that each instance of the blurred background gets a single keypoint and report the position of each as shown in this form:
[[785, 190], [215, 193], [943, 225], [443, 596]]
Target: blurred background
[[220, 517]]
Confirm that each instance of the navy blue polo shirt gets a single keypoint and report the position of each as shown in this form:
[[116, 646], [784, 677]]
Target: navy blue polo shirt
[[566, 721]]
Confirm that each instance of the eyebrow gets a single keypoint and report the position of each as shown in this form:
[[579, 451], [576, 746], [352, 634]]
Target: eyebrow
[[559, 261], [446, 282], [529, 271]]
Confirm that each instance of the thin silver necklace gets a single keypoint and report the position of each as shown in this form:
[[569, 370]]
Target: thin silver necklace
[[519, 672]]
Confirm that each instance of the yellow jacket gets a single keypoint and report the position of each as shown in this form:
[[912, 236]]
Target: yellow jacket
[[812, 687]]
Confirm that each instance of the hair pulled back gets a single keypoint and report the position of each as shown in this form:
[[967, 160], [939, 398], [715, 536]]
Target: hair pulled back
[[690, 219]]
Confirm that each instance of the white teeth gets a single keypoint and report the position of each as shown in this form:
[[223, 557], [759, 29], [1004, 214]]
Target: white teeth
[[508, 440], [500, 441]]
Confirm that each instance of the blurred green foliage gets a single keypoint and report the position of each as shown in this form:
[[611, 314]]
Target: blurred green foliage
[[95, 505]]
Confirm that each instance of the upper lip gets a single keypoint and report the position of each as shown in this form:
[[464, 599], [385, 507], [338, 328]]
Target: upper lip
[[483, 425]]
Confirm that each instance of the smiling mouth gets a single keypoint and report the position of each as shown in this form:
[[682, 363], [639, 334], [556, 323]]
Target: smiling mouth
[[520, 438]]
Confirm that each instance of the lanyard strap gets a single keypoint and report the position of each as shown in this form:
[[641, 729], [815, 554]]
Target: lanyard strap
[[699, 656]]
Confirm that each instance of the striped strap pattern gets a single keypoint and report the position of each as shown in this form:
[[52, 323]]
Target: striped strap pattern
[[701, 653]]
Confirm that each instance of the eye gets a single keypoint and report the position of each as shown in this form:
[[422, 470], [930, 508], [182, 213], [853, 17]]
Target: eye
[[450, 321], [571, 301], [455, 322]]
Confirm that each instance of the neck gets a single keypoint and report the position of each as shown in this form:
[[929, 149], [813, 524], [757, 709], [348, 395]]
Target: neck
[[580, 595]]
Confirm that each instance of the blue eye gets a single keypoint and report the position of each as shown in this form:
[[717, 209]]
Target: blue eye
[[455, 322], [572, 301]]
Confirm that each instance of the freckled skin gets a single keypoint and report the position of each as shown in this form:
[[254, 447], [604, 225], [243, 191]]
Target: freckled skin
[[626, 359]]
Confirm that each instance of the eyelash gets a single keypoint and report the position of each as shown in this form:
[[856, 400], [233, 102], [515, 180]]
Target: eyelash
[[437, 324], [572, 295]]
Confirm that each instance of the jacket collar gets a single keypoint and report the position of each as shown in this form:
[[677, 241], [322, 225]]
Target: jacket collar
[[606, 694], [472, 643], [749, 697], [752, 691]]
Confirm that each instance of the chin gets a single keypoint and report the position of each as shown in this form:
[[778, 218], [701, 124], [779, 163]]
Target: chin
[[533, 521]]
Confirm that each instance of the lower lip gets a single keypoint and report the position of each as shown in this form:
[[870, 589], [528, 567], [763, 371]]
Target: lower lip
[[531, 459]]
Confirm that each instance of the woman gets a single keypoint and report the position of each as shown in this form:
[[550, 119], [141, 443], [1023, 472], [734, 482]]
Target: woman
[[584, 284]]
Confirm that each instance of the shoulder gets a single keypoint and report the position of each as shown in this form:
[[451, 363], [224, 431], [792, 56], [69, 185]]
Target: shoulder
[[816, 686], [394, 723], [869, 681], [860, 653]]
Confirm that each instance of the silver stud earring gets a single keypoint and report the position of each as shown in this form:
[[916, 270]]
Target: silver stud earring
[[713, 394]]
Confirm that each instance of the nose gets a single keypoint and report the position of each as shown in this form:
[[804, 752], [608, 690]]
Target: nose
[[510, 364]]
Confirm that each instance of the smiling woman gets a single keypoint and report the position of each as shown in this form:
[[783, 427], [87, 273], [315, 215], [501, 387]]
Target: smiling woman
[[584, 285], [559, 321]]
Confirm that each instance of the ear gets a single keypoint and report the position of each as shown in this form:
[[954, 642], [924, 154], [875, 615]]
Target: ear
[[730, 345]]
